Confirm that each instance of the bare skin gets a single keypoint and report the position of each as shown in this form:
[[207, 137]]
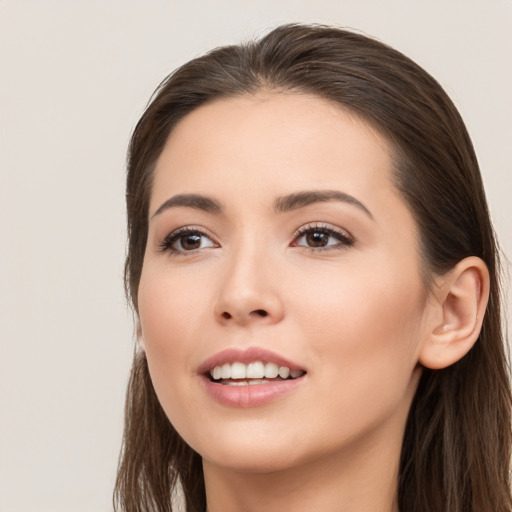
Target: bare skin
[[330, 282]]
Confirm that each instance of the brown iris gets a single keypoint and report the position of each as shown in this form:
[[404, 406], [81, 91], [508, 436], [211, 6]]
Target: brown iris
[[317, 239], [190, 242]]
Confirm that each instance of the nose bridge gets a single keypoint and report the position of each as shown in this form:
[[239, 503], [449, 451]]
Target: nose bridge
[[248, 289]]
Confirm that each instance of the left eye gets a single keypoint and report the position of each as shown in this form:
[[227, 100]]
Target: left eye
[[192, 242], [320, 237]]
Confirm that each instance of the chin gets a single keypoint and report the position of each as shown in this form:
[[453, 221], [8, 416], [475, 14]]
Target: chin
[[258, 460], [249, 451]]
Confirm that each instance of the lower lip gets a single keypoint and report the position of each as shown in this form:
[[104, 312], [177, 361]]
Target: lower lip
[[250, 395]]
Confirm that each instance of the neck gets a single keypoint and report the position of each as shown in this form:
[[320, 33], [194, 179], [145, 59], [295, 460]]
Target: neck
[[362, 478]]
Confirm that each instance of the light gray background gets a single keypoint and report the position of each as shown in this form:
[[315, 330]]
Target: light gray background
[[74, 78]]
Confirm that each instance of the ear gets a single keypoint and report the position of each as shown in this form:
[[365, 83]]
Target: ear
[[459, 301]]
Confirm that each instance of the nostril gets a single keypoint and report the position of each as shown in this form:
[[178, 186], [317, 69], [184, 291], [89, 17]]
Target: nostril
[[256, 312]]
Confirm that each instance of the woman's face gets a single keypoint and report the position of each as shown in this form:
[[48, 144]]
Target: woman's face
[[278, 242]]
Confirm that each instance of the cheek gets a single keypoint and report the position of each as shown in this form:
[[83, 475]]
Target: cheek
[[170, 314], [170, 307], [364, 327], [364, 348]]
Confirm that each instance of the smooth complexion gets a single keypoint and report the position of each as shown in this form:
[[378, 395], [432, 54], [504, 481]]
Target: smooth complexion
[[330, 283]]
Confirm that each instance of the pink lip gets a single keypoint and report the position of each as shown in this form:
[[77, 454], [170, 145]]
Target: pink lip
[[249, 395]]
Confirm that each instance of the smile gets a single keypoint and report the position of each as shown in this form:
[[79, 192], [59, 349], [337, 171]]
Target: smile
[[250, 377], [253, 373]]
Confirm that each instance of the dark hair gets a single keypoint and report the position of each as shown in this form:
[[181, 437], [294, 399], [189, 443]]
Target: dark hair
[[456, 449]]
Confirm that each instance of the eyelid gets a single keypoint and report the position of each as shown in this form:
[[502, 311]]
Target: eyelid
[[174, 235], [344, 237]]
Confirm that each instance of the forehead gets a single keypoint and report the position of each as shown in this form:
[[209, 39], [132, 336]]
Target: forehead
[[272, 140]]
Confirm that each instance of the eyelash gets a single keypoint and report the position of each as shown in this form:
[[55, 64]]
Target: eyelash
[[167, 244], [343, 237], [345, 240]]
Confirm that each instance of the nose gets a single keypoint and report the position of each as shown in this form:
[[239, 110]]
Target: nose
[[250, 291]]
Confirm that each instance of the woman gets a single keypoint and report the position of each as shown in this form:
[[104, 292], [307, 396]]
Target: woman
[[315, 279]]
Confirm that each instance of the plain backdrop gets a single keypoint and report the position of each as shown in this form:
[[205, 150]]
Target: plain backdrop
[[74, 78]]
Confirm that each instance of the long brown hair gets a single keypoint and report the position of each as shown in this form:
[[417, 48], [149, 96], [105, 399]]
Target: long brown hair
[[456, 449]]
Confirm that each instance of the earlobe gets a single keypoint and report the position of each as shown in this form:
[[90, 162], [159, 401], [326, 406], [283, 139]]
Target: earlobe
[[461, 300]]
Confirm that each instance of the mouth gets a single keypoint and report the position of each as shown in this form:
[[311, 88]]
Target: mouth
[[252, 374], [250, 377]]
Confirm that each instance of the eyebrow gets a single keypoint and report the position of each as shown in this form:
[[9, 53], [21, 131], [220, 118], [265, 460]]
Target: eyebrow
[[302, 199], [197, 201], [282, 204]]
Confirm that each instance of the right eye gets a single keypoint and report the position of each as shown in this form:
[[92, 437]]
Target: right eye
[[186, 240]]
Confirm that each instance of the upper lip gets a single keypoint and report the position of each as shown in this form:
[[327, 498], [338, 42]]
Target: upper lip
[[246, 356]]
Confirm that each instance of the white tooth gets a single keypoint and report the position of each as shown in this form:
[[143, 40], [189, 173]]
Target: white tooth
[[238, 371], [236, 383], [257, 381], [255, 370], [284, 372], [217, 373], [226, 371], [271, 370], [295, 373]]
